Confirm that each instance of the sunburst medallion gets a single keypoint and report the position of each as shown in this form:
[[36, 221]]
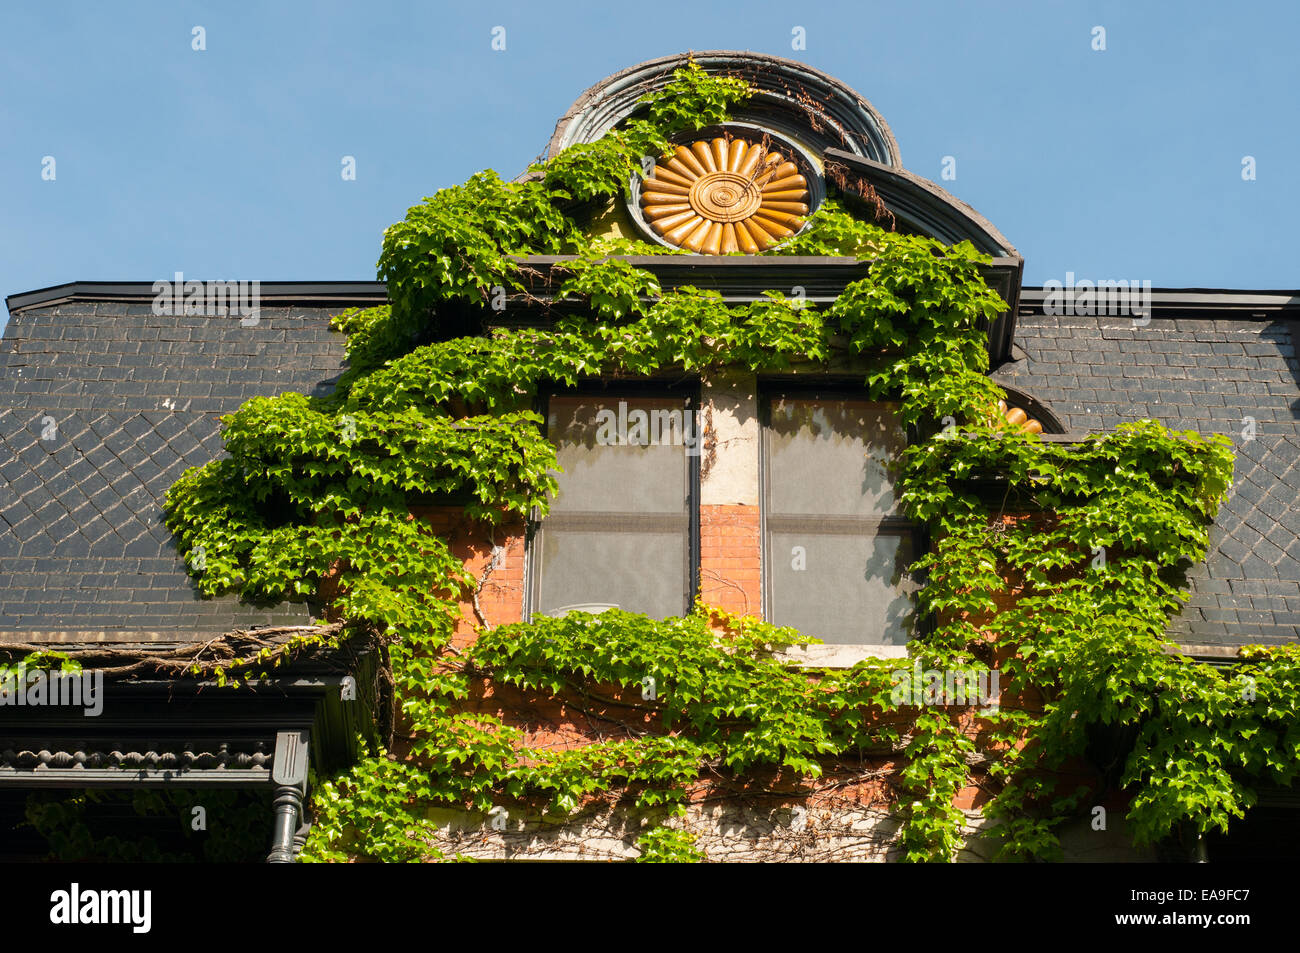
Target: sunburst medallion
[[725, 196]]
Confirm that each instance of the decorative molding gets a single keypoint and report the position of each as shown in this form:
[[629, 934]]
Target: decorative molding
[[1036, 409], [923, 206], [1016, 418], [790, 98], [725, 196]]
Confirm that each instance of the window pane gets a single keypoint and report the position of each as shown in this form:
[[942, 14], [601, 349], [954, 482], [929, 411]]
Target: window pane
[[851, 589], [622, 455], [828, 456], [837, 549], [639, 572], [618, 532]]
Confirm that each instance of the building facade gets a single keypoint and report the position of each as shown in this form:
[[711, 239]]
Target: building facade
[[768, 495]]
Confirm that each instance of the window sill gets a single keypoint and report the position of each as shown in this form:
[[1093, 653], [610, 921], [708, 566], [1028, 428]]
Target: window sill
[[832, 655]]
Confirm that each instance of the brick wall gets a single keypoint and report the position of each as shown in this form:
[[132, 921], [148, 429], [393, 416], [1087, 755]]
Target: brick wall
[[495, 557], [730, 558]]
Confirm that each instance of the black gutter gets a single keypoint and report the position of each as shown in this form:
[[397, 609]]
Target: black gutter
[[1228, 303], [281, 293], [739, 279]]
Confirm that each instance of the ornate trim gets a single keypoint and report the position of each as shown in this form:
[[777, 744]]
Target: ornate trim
[[1017, 419], [725, 196], [791, 98]]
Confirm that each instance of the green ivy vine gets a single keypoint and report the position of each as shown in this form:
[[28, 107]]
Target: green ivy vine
[[320, 489]]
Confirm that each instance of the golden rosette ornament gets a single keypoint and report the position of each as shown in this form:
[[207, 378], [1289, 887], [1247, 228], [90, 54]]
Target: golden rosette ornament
[[725, 196]]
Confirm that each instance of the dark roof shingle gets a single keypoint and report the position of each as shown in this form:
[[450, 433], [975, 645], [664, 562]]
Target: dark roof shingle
[[102, 406]]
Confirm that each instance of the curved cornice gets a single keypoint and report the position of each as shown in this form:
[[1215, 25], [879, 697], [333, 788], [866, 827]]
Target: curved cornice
[[790, 98], [810, 107], [924, 206]]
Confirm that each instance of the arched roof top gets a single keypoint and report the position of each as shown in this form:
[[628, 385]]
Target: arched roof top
[[791, 97], [809, 107], [923, 206]]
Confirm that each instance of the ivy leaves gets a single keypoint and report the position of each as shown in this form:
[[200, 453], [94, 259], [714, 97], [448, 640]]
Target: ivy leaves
[[326, 491]]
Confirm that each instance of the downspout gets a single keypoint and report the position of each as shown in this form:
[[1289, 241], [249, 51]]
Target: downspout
[[289, 773]]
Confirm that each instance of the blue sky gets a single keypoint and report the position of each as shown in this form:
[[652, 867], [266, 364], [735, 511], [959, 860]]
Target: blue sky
[[225, 163]]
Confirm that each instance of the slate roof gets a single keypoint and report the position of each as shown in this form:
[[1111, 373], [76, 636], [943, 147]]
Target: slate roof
[[1196, 367], [135, 398], [128, 400]]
